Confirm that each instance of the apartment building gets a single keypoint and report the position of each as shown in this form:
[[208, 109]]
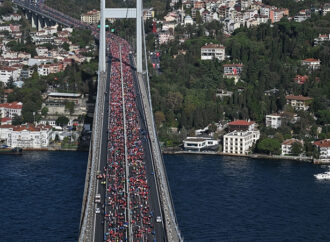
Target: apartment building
[[240, 142], [324, 148], [212, 51], [274, 121], [11, 109], [298, 102], [91, 17], [7, 72]]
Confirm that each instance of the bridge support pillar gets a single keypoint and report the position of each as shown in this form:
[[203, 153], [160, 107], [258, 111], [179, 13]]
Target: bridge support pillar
[[34, 21], [39, 23]]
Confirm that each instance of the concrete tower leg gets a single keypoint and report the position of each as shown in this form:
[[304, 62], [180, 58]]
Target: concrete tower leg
[[102, 48], [34, 21], [139, 36], [39, 24]]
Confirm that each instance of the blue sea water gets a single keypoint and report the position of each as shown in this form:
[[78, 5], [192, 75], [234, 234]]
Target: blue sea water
[[216, 198]]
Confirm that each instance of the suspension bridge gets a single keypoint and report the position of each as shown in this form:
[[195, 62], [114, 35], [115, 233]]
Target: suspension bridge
[[127, 195]]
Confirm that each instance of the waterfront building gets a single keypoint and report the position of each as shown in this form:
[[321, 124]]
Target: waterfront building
[[324, 148], [273, 120], [298, 102], [211, 51], [200, 143], [26, 136], [286, 146], [240, 142]]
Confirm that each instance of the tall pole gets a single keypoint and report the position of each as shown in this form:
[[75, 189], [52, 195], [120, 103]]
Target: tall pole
[[139, 36], [102, 38]]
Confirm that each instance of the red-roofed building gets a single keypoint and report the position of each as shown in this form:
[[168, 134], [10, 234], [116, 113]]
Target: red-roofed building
[[324, 148], [299, 102], [26, 136], [11, 109], [300, 79], [311, 63], [6, 120], [241, 125], [287, 145]]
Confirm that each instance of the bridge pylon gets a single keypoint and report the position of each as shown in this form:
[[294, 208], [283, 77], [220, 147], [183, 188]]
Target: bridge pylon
[[118, 13]]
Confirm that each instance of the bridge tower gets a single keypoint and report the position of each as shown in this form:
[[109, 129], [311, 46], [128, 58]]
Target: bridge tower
[[121, 13]]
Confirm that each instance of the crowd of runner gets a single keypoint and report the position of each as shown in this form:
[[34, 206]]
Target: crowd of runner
[[116, 212]]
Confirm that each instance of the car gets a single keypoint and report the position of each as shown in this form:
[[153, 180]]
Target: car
[[159, 219], [97, 210]]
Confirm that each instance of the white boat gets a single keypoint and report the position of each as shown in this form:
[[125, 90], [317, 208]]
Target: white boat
[[323, 176]]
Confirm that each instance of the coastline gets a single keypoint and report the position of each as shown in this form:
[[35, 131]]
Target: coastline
[[254, 156]]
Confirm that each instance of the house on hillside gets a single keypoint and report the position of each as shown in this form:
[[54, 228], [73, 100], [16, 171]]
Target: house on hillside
[[298, 102], [212, 51]]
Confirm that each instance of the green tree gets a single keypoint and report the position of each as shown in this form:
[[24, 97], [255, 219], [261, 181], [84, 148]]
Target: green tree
[[296, 148], [62, 121], [269, 146], [44, 111]]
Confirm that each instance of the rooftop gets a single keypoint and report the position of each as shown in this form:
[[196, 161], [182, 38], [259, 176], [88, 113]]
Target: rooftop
[[291, 141], [241, 123], [299, 98], [323, 143], [213, 46]]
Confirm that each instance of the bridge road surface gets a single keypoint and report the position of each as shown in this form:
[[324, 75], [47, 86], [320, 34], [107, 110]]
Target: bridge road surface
[[101, 189], [154, 202]]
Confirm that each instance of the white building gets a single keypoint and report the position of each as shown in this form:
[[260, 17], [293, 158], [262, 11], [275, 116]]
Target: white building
[[7, 72], [239, 142], [298, 102], [274, 121], [324, 148], [26, 136], [91, 17], [199, 143], [11, 109], [164, 37], [311, 63], [211, 51], [188, 20], [287, 145]]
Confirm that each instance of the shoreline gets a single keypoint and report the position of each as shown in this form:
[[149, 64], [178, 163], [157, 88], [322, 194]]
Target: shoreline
[[182, 152], [253, 156]]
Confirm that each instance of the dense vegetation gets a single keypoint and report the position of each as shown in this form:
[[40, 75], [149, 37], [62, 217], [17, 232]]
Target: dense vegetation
[[184, 93]]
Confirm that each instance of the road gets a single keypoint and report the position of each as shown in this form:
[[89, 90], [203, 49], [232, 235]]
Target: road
[[154, 198]]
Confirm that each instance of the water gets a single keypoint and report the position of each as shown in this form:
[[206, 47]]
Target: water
[[238, 199], [216, 198], [41, 195]]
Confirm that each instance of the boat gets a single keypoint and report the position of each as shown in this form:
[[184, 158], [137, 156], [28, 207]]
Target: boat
[[11, 151], [323, 176]]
